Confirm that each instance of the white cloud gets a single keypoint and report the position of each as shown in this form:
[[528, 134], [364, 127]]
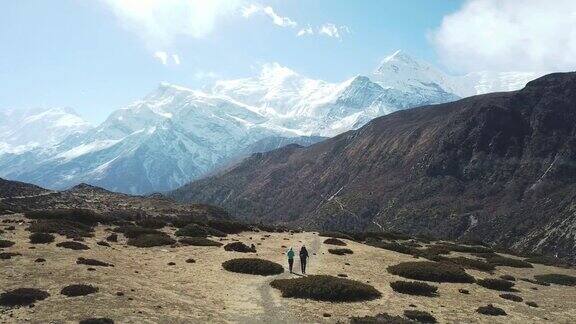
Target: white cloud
[[506, 35], [176, 59], [162, 56], [159, 22], [305, 31], [278, 20], [203, 75], [333, 31]]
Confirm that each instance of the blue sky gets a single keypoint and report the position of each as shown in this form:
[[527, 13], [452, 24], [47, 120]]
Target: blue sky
[[97, 56]]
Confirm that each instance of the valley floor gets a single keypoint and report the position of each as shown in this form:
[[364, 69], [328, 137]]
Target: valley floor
[[155, 292]]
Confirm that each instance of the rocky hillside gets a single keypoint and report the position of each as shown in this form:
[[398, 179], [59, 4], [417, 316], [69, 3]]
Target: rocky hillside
[[498, 167]]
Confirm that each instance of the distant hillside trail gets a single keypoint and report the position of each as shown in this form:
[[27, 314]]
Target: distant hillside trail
[[275, 311]]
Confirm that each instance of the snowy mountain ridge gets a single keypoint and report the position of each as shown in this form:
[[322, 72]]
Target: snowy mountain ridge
[[175, 134]]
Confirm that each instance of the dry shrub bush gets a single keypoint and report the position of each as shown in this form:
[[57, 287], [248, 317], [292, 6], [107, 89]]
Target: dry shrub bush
[[431, 271], [78, 290], [133, 231], [97, 320], [496, 284], [195, 230], [511, 297], [8, 255], [340, 251], [68, 228], [334, 241], [556, 278], [198, 241], [499, 260], [239, 247], [336, 235], [326, 288], [6, 243], [382, 318], [414, 288], [420, 316], [73, 245], [228, 227], [41, 238], [150, 240], [472, 264], [22, 297], [93, 262], [253, 266], [491, 310]]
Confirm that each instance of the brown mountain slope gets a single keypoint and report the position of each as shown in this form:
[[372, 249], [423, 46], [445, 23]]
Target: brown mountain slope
[[498, 167]]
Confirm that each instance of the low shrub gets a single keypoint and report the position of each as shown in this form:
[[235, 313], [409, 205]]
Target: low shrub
[[496, 284], [22, 297], [334, 241], [103, 243], [84, 216], [464, 291], [556, 278], [508, 277], [396, 247], [253, 266], [151, 222], [491, 310], [195, 230], [340, 251], [336, 235], [414, 288], [64, 227], [40, 260], [511, 297], [547, 260], [6, 243], [198, 241], [8, 255], [531, 304], [78, 290], [99, 320], [41, 238], [431, 271], [93, 262], [499, 260], [536, 282], [382, 318], [419, 316], [228, 227], [326, 288], [150, 240], [469, 249], [190, 261], [472, 264], [133, 231], [112, 237], [73, 245], [239, 247]]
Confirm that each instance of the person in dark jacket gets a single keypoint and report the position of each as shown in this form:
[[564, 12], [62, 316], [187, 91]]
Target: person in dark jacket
[[303, 258], [290, 255]]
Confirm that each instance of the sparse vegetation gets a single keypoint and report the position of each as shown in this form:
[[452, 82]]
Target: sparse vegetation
[[420, 316], [112, 237], [195, 230], [78, 290], [334, 241], [22, 297], [547, 260], [431, 271], [531, 304], [472, 264], [133, 231], [512, 297], [99, 320], [499, 260], [73, 245], [340, 251], [253, 266], [336, 235], [6, 243], [93, 262], [228, 227], [150, 240], [414, 288], [468, 249], [508, 277], [8, 255], [491, 310], [83, 216], [396, 247], [150, 222], [326, 288], [103, 243], [198, 241], [536, 282], [556, 278], [496, 284], [382, 318], [239, 247], [41, 238], [68, 228]]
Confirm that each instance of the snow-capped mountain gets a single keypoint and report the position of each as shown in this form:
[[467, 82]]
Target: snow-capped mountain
[[22, 130], [175, 134]]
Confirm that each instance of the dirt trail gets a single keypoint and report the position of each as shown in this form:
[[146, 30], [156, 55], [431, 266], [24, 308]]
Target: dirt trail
[[274, 308]]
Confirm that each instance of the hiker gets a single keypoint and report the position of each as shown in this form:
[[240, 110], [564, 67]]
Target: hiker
[[290, 254], [303, 258]]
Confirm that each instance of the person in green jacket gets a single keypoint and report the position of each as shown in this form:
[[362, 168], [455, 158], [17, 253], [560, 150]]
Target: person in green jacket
[[290, 255]]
